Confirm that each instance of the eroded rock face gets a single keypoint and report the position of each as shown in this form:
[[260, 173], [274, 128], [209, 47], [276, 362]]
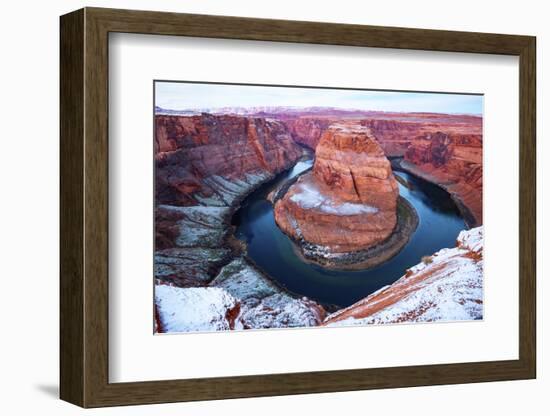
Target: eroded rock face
[[263, 304], [308, 130], [348, 202], [454, 161], [447, 286], [207, 160], [350, 161], [205, 165]]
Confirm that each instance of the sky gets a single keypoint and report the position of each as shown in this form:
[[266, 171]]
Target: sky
[[189, 96]]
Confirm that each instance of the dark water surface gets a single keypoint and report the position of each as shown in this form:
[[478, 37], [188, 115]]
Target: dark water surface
[[271, 250]]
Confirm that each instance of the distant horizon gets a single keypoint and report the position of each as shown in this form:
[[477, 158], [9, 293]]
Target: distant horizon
[[318, 108], [187, 96]]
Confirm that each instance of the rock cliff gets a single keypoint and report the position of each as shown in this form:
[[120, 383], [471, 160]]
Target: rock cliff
[[348, 202], [206, 160], [454, 161], [447, 286], [205, 165], [308, 130], [394, 131], [239, 297]]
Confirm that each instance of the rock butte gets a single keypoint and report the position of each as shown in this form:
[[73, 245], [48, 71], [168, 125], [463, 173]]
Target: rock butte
[[348, 202]]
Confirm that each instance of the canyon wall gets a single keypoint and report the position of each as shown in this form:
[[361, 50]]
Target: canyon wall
[[394, 131], [204, 166], [195, 156], [447, 286], [307, 131], [454, 161], [348, 202]]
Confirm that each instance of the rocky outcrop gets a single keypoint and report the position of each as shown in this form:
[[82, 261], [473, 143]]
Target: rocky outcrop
[[209, 160], [447, 286], [348, 202], [350, 161], [263, 304], [195, 309], [239, 297], [455, 162]]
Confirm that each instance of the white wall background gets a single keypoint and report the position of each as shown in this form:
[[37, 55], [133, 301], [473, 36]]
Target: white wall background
[[29, 212]]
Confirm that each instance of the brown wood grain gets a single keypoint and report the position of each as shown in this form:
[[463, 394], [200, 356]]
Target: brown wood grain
[[84, 207], [71, 208]]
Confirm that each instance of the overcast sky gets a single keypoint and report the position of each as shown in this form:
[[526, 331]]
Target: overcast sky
[[188, 96]]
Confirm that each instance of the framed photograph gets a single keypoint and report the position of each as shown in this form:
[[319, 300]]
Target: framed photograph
[[255, 207]]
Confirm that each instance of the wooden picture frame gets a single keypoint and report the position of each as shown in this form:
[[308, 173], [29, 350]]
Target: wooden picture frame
[[84, 207]]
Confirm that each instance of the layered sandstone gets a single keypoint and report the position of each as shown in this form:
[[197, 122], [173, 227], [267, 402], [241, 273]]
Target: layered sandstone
[[454, 161], [205, 165], [447, 286], [204, 160], [348, 202], [445, 149], [308, 130], [211, 163], [394, 131], [397, 132]]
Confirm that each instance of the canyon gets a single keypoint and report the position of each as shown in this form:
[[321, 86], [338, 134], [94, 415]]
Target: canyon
[[207, 164], [204, 166], [442, 148]]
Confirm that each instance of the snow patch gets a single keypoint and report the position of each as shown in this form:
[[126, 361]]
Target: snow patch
[[281, 311], [471, 239], [301, 166], [225, 192], [309, 196], [193, 309]]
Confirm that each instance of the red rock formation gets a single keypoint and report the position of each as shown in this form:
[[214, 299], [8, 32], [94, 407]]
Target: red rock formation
[[442, 148], [447, 286], [204, 166], [348, 202], [454, 161], [308, 130], [195, 155], [394, 131], [397, 132], [350, 161]]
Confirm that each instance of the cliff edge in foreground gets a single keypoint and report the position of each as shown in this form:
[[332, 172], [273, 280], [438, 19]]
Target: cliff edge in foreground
[[447, 286]]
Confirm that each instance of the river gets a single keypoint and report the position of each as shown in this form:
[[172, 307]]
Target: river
[[272, 251]]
